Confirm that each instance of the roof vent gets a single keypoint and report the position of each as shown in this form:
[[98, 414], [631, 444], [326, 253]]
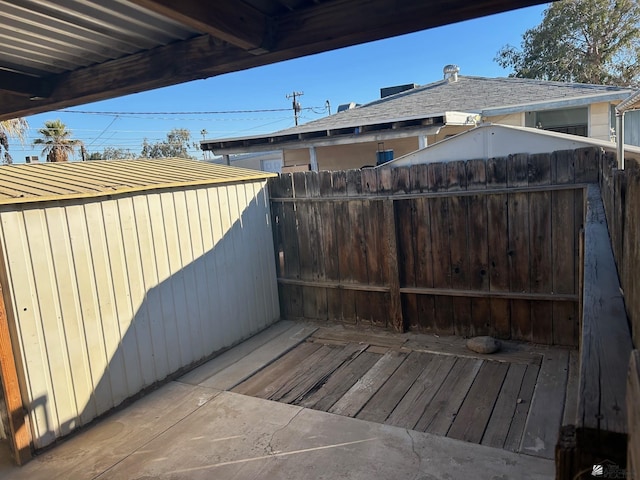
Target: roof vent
[[347, 106], [451, 72], [388, 91]]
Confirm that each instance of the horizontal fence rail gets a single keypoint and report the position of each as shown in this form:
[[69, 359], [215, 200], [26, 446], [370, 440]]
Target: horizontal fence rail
[[468, 248]]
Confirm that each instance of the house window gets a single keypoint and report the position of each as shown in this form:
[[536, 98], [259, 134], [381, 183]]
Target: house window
[[574, 121], [631, 126]]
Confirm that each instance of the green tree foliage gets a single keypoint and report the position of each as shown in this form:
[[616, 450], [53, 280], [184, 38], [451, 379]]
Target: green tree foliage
[[111, 153], [585, 41], [57, 141], [176, 145], [14, 128]]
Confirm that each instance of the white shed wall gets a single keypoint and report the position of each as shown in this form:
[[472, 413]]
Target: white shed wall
[[110, 296]]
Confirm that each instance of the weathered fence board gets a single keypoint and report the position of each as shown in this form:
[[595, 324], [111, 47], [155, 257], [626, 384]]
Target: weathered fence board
[[620, 190], [471, 247]]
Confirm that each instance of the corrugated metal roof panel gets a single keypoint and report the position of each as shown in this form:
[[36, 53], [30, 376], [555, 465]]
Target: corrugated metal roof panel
[[39, 37], [57, 181]]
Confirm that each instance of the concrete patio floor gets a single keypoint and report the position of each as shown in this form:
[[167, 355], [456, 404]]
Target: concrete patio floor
[[187, 431]]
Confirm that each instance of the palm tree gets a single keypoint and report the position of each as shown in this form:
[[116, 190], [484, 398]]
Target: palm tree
[[57, 142], [17, 128]]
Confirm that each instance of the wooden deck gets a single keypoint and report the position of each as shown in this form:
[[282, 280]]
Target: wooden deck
[[514, 400]]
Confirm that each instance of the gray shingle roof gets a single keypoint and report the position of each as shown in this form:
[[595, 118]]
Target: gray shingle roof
[[468, 94]]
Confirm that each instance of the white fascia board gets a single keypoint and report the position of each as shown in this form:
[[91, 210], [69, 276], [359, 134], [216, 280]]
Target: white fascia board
[[555, 104], [630, 103]]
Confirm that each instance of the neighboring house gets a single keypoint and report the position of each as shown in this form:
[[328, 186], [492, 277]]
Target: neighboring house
[[265, 161], [410, 117], [491, 140]]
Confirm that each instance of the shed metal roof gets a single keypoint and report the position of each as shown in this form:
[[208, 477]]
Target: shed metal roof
[[60, 181]]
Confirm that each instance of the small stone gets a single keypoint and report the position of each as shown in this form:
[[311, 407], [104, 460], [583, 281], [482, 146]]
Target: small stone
[[483, 344]]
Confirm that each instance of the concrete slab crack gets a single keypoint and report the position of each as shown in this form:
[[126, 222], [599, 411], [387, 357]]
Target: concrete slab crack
[[269, 448], [415, 452]]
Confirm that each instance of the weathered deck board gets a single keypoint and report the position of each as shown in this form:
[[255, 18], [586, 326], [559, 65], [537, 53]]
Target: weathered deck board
[[320, 371], [298, 373], [510, 351], [425, 383], [570, 414], [474, 413], [541, 431], [441, 412], [360, 393], [258, 359], [228, 358], [516, 429], [340, 382], [505, 407], [353, 336], [606, 340], [257, 385], [410, 408], [384, 400]]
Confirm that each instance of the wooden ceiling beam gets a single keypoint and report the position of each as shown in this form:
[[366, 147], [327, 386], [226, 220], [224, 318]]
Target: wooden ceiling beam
[[192, 59], [24, 85], [343, 23], [232, 21]]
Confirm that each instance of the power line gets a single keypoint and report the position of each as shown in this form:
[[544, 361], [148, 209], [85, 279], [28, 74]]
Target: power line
[[102, 132], [220, 112]]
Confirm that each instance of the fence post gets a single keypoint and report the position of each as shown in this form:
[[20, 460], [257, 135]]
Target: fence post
[[395, 304]]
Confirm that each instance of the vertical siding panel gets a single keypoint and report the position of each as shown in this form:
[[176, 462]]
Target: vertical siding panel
[[189, 315], [249, 323], [139, 324], [251, 263], [67, 365], [223, 262], [164, 287], [259, 221], [121, 294], [199, 270], [88, 320], [231, 227], [152, 297], [58, 393], [248, 210], [209, 252], [176, 279], [106, 302], [29, 327]]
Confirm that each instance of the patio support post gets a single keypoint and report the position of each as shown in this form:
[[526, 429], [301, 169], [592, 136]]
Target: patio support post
[[19, 436]]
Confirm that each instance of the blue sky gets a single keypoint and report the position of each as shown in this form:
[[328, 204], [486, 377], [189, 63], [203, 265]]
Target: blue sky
[[341, 76]]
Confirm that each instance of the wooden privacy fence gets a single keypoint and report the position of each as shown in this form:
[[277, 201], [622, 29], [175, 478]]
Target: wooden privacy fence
[[467, 248]]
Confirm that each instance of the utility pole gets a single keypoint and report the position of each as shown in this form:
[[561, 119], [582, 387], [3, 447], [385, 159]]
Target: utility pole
[[203, 132], [296, 105]]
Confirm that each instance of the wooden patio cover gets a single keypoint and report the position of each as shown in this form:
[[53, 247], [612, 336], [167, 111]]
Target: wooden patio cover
[[111, 58]]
